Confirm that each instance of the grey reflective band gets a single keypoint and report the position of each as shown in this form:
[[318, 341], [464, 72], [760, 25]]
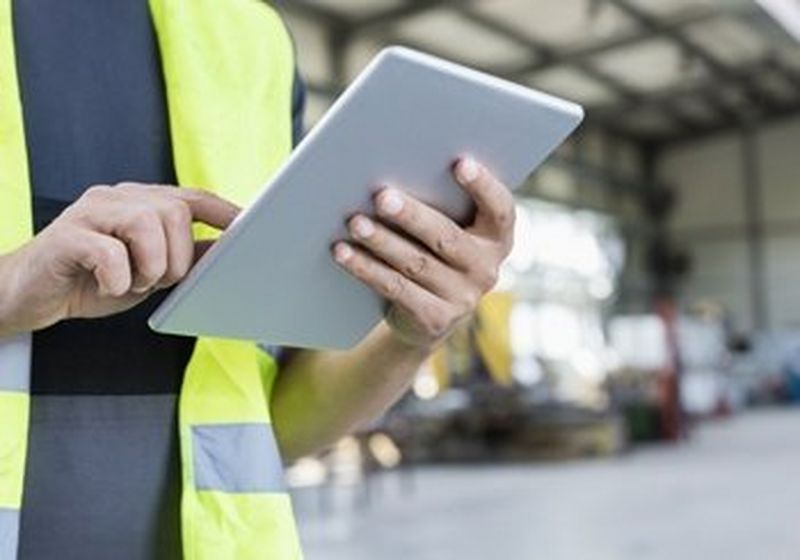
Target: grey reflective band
[[15, 363], [9, 533], [237, 458]]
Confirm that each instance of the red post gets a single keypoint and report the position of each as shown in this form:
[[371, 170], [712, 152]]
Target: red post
[[672, 424]]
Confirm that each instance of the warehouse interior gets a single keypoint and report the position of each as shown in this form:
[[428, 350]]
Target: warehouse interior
[[630, 388]]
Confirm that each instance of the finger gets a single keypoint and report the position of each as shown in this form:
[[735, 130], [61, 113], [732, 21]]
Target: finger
[[206, 207], [106, 258], [140, 227], [385, 281], [176, 220], [408, 258], [494, 201], [178, 207], [201, 247], [437, 232], [155, 221]]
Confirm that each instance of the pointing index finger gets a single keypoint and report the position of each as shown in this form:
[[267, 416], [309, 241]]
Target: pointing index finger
[[207, 207]]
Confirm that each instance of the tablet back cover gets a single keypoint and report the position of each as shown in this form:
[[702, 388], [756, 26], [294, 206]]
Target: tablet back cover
[[271, 278]]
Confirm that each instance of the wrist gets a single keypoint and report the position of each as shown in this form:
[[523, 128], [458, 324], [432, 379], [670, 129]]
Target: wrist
[[400, 342]]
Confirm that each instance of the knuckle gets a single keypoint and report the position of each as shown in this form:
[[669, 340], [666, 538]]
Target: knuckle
[[176, 271], [127, 186], [469, 300], [447, 241], [151, 258], [143, 220], [150, 276], [506, 216], [394, 318], [408, 214], [183, 270], [359, 267], [108, 254], [416, 266], [178, 215], [487, 278], [394, 286], [436, 321], [151, 269], [174, 274], [378, 240], [97, 192], [194, 194]]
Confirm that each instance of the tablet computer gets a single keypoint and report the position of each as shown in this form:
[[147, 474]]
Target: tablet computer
[[271, 277]]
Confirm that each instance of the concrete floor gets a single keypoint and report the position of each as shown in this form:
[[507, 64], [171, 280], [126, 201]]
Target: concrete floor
[[733, 492]]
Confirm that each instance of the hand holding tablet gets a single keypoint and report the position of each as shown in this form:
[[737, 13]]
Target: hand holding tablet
[[402, 123], [430, 270]]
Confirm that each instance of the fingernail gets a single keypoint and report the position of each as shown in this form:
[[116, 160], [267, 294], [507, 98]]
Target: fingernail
[[467, 170], [390, 202], [342, 252], [362, 228]]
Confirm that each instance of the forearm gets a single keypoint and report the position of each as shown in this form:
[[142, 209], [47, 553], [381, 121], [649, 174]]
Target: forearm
[[322, 396], [432, 276]]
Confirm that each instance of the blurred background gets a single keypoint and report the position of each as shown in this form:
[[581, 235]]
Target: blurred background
[[629, 389]]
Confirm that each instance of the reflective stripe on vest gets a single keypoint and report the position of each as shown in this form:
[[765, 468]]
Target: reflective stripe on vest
[[229, 71], [16, 227]]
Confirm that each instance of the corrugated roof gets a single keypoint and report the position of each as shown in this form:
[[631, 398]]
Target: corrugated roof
[[646, 69]]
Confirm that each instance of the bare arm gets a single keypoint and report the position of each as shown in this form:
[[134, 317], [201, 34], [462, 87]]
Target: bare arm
[[433, 277], [322, 396]]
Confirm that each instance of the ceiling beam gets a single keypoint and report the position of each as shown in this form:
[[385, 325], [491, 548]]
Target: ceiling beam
[[366, 24], [543, 52], [540, 51], [545, 56], [407, 9], [770, 117], [623, 40], [575, 57], [717, 68], [786, 72], [706, 90], [329, 90], [313, 12]]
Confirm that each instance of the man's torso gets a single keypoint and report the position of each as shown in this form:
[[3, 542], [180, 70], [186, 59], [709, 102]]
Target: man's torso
[[102, 474]]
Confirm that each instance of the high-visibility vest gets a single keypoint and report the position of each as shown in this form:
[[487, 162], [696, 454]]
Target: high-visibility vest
[[229, 69]]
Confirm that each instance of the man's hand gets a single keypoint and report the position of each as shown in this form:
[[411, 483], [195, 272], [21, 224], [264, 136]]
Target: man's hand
[[105, 253], [435, 274]]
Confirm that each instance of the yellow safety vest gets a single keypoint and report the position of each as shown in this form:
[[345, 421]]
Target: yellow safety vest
[[229, 69]]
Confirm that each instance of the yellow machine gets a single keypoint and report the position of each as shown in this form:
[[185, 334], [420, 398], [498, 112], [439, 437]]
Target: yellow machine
[[487, 338]]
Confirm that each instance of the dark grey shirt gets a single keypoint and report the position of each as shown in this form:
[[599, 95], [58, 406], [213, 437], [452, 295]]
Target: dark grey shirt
[[102, 477]]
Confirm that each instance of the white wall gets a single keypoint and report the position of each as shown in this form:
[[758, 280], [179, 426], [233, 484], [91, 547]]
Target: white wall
[[709, 177]]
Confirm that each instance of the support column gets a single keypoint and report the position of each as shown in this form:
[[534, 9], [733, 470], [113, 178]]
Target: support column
[[754, 227]]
